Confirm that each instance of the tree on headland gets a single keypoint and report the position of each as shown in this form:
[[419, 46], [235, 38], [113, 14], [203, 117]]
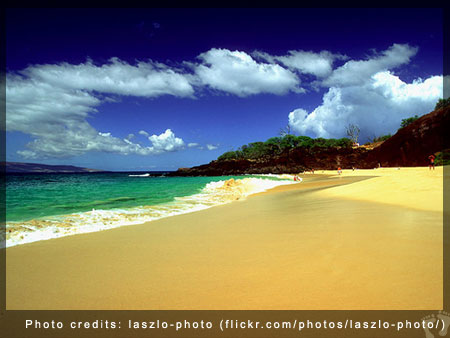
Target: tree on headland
[[274, 144], [353, 132], [285, 131], [277, 145]]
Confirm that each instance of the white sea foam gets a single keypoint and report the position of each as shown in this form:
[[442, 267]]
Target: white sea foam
[[214, 193]]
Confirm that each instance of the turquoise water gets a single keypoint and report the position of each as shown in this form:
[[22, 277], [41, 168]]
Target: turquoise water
[[37, 196], [46, 206]]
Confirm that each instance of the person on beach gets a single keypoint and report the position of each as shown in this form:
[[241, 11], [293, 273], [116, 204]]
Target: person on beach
[[431, 157], [296, 178], [339, 170]]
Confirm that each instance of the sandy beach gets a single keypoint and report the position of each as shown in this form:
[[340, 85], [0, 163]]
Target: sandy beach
[[366, 239]]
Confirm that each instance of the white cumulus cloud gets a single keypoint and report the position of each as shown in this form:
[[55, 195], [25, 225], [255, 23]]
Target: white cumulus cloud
[[356, 72], [238, 73], [166, 141], [146, 79], [56, 119], [143, 132], [52, 103], [307, 62], [377, 106], [367, 93], [211, 147]]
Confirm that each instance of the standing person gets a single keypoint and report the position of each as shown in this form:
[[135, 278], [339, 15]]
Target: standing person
[[339, 170], [431, 157]]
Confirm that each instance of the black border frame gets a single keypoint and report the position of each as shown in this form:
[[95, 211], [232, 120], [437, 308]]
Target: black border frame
[[12, 322]]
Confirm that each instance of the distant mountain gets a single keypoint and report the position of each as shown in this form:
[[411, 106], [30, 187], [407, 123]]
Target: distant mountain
[[18, 167]]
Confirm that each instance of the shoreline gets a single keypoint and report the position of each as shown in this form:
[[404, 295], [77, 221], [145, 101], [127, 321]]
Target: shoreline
[[302, 246], [51, 234], [213, 194]]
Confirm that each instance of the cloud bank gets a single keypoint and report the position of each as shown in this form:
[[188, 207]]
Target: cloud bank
[[305, 62], [238, 73], [367, 93], [54, 102], [56, 117]]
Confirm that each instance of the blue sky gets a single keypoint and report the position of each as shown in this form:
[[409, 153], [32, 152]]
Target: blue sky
[[159, 89]]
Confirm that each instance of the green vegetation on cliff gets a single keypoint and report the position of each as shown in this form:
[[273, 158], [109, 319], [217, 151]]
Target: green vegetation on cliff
[[443, 158], [408, 121], [277, 145], [442, 103], [381, 138]]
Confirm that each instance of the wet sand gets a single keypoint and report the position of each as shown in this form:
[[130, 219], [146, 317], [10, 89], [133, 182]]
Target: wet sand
[[356, 241]]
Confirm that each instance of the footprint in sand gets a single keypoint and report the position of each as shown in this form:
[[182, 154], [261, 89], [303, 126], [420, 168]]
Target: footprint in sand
[[428, 319], [445, 318]]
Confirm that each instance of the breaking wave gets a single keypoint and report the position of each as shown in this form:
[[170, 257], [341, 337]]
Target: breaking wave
[[214, 193]]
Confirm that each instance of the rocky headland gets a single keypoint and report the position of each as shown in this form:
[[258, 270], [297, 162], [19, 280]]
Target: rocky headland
[[409, 147]]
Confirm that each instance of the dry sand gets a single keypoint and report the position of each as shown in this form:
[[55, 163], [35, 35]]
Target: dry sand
[[368, 239]]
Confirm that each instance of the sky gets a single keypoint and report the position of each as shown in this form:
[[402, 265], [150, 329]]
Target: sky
[[159, 89]]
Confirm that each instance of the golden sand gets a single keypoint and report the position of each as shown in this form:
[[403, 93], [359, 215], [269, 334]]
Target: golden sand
[[418, 188], [367, 239]]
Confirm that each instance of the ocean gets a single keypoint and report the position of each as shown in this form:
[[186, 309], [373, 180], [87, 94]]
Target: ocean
[[45, 206]]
